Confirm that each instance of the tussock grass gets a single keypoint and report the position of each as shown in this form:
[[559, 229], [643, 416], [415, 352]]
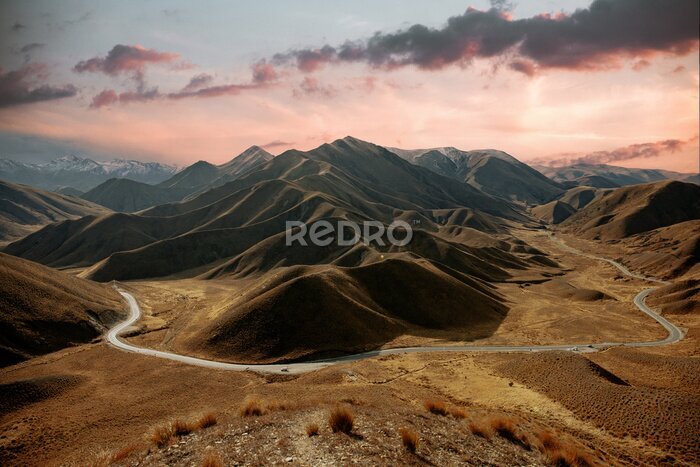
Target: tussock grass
[[561, 453], [162, 435], [183, 428], [409, 439], [252, 407], [312, 429], [341, 419], [436, 407], [458, 412], [480, 428], [207, 420]]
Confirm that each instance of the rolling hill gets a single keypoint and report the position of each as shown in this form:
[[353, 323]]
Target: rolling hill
[[634, 209], [24, 209], [494, 172], [43, 310]]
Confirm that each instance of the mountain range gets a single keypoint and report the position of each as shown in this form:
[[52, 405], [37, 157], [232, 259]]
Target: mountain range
[[609, 176], [81, 173]]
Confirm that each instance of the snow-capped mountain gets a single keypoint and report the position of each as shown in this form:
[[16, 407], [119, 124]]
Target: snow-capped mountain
[[82, 173]]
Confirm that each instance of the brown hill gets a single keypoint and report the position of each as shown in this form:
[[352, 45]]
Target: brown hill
[[631, 210], [554, 212], [314, 312], [667, 252], [124, 195], [579, 197], [680, 298], [43, 310], [24, 209]]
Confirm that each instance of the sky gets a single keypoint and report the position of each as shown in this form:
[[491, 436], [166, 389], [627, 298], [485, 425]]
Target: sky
[[613, 81]]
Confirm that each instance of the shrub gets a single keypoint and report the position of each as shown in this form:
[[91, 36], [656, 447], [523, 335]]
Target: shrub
[[341, 419], [568, 456], [211, 459], [409, 438], [312, 429], [436, 407], [162, 435], [252, 406], [182, 428], [207, 420], [507, 429]]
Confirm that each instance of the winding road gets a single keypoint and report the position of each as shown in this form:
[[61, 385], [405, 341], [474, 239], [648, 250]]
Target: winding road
[[674, 335]]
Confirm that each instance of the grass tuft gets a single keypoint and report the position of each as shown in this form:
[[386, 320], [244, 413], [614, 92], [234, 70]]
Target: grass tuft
[[252, 407], [312, 429], [207, 420], [162, 435], [409, 439], [182, 428], [341, 419], [124, 453], [436, 407], [479, 428]]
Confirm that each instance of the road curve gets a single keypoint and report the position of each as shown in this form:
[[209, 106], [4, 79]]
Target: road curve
[[674, 335]]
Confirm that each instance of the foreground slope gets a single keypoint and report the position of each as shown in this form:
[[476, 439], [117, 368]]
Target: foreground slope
[[24, 209], [494, 172], [43, 310]]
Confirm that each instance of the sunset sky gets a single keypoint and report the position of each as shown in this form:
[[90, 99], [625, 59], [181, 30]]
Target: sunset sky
[[614, 82]]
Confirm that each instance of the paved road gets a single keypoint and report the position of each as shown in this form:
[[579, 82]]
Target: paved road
[[674, 335]]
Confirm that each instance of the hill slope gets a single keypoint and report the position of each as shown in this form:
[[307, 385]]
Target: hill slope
[[631, 210], [494, 172], [24, 209], [124, 195], [43, 310]]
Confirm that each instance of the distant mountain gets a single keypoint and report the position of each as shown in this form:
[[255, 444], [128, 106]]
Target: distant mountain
[[630, 210], [69, 191], [81, 173], [607, 176], [494, 172], [24, 209], [43, 310], [125, 195]]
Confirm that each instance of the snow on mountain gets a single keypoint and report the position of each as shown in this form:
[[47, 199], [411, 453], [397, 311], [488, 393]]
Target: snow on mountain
[[82, 173]]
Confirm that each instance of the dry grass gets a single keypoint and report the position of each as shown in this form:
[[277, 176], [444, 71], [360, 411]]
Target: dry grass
[[458, 412], [124, 453], [562, 454], [409, 439], [183, 428], [436, 407], [480, 428], [252, 407], [207, 420], [162, 435], [341, 419], [312, 429], [212, 459]]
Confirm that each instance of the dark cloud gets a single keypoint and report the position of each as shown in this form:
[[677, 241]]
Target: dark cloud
[[633, 151], [109, 97], [263, 72], [27, 85], [523, 66], [597, 37], [277, 144], [18, 26], [31, 47], [311, 86], [198, 81], [131, 59]]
